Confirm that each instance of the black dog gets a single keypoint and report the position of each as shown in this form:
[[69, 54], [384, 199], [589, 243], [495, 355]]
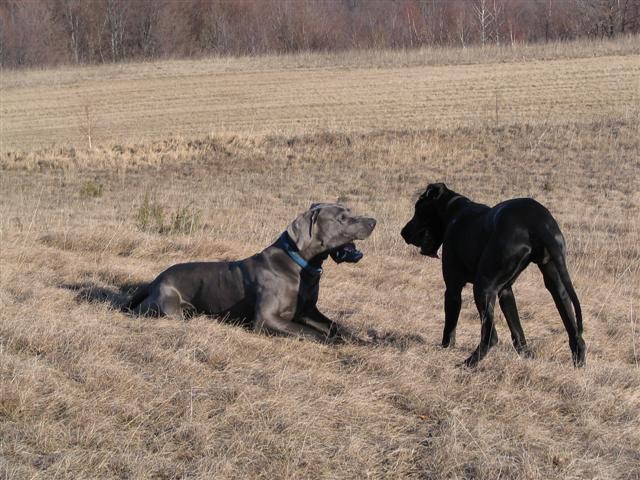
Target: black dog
[[490, 247]]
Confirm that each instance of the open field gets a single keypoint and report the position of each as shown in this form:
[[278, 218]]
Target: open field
[[89, 392], [306, 93]]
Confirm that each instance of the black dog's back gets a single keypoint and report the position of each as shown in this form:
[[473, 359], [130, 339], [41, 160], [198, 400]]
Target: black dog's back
[[525, 220]]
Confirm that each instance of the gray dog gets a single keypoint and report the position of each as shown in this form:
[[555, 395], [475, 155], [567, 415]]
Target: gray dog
[[275, 290], [490, 247]]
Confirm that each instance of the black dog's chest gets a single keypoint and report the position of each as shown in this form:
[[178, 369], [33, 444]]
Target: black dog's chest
[[464, 242]]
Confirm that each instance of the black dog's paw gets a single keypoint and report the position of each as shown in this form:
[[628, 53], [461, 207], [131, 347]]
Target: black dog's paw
[[526, 352], [471, 362], [579, 361], [449, 343], [578, 353]]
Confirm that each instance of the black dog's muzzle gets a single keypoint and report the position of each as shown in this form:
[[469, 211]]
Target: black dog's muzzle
[[427, 250], [420, 239]]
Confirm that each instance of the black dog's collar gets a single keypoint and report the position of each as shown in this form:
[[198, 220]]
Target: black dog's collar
[[286, 244]]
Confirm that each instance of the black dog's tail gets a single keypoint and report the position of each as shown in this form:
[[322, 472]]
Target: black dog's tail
[[557, 253], [137, 298]]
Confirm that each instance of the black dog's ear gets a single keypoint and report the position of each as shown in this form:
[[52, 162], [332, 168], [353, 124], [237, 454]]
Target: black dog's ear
[[434, 191]]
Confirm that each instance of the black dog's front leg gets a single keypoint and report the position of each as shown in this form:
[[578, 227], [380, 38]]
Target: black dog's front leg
[[452, 297], [452, 305]]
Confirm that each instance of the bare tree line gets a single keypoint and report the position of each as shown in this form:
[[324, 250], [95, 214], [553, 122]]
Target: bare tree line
[[49, 32]]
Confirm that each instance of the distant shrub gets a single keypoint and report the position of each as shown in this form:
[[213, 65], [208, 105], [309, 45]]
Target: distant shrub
[[152, 217], [91, 189], [185, 220]]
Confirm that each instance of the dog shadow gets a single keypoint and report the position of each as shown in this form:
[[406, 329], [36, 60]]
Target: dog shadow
[[117, 297], [399, 340]]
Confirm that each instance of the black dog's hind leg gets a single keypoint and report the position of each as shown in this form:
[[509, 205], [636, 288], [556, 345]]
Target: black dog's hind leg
[[485, 298], [563, 303], [510, 311], [498, 268]]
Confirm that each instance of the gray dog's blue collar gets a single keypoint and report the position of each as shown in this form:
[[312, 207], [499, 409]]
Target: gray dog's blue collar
[[285, 243]]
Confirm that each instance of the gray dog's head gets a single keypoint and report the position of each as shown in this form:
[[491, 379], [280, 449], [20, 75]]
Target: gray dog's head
[[426, 228], [330, 229]]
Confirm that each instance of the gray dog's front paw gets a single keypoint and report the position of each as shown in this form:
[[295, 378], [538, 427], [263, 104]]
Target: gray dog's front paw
[[340, 334]]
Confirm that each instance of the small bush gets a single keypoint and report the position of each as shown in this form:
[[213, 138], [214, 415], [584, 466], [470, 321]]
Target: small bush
[[151, 217], [185, 220], [91, 189]]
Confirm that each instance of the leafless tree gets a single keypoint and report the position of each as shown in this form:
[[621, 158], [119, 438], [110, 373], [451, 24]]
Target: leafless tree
[[71, 15], [497, 19], [115, 22], [462, 26], [483, 19], [44, 32]]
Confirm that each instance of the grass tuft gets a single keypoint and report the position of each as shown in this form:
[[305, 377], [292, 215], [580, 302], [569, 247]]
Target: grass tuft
[[153, 217], [150, 216], [91, 189]]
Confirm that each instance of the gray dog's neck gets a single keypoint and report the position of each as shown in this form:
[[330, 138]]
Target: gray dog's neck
[[289, 248]]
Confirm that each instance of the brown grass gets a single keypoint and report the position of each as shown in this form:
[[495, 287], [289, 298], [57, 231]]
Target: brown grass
[[88, 392]]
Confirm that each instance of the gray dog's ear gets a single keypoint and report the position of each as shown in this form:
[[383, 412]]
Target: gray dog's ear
[[301, 229], [312, 221], [434, 191]]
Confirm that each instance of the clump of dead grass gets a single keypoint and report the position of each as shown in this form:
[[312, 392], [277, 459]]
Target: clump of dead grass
[[91, 189], [152, 217]]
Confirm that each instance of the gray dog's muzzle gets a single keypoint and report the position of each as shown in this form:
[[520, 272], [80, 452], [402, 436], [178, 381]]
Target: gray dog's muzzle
[[346, 253]]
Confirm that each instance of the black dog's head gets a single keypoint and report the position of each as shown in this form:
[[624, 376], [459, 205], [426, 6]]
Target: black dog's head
[[426, 228]]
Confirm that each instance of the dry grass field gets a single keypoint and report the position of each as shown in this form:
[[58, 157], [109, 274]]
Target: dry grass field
[[307, 93], [210, 160]]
